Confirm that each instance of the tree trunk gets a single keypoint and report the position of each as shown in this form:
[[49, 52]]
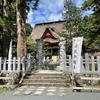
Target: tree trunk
[[21, 32], [6, 36]]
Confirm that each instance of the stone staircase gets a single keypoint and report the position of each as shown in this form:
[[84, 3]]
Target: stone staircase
[[46, 79]]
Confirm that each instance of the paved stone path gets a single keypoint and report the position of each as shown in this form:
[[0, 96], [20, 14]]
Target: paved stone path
[[42, 93], [49, 91]]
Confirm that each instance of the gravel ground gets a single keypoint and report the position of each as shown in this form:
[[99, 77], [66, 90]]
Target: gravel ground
[[83, 95]]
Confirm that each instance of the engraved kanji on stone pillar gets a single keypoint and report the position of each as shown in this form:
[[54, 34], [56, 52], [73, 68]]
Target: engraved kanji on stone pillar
[[62, 54], [39, 54]]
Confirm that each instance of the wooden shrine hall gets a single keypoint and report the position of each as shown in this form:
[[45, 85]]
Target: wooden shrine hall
[[49, 33]]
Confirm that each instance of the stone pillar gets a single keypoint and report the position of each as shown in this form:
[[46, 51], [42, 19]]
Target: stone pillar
[[62, 54], [39, 54]]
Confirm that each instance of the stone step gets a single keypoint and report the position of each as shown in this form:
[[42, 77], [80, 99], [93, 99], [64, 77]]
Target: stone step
[[47, 74], [43, 77], [55, 74], [45, 84], [45, 80]]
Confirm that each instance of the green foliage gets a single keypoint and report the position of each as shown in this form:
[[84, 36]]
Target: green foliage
[[31, 45], [3, 90], [72, 17], [45, 49], [34, 2], [92, 24], [2, 23], [89, 26], [92, 5], [32, 66], [55, 65], [73, 23], [28, 29], [9, 21]]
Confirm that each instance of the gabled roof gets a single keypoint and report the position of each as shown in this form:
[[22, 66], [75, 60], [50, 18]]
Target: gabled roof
[[53, 32], [54, 27], [54, 36]]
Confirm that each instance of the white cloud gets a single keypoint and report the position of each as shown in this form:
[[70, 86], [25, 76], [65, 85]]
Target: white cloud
[[78, 2], [29, 19], [55, 17], [48, 10], [51, 5], [89, 12]]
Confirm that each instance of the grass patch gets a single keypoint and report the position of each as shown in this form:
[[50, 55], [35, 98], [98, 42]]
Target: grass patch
[[3, 90]]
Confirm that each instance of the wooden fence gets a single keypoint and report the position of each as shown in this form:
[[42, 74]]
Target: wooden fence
[[89, 65], [17, 65]]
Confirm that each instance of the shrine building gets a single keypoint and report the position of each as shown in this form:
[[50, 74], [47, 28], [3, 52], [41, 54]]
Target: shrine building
[[49, 32]]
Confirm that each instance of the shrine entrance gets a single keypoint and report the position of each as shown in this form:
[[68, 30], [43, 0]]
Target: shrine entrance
[[47, 62], [52, 41]]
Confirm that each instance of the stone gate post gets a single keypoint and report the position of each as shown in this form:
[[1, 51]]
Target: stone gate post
[[62, 54], [39, 54]]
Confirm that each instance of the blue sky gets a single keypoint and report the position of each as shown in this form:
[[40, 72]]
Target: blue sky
[[49, 10]]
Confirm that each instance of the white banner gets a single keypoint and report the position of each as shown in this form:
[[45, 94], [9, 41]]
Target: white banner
[[10, 56], [76, 54]]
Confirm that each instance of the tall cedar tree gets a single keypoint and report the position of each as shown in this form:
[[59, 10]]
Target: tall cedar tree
[[6, 36], [21, 21]]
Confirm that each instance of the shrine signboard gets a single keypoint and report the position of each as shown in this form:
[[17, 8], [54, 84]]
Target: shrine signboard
[[76, 54]]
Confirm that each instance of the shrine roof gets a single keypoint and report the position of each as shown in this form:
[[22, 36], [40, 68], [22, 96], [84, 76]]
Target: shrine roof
[[54, 27]]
